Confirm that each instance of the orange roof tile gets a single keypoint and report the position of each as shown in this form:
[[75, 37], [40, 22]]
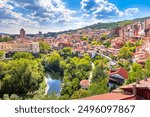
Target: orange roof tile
[[121, 71], [84, 83], [111, 96], [141, 84]]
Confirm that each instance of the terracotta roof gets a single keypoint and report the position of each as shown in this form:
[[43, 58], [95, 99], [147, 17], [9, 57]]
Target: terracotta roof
[[139, 47], [141, 61], [118, 40], [141, 84], [84, 83], [121, 71], [111, 96], [146, 38], [132, 41]]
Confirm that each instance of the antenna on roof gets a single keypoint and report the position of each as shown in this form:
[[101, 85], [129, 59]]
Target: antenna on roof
[[145, 79], [137, 81], [134, 90]]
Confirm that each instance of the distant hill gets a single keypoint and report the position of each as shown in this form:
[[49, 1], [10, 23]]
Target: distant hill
[[3, 33], [113, 24], [98, 26], [95, 26], [103, 25]]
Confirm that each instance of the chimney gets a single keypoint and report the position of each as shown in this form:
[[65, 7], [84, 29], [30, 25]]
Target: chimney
[[134, 90], [137, 81], [145, 79]]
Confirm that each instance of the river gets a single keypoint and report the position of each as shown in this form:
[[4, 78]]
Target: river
[[53, 81]]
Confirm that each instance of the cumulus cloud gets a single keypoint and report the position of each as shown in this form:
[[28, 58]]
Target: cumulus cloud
[[131, 11], [46, 10], [10, 19], [37, 12], [103, 9], [53, 14]]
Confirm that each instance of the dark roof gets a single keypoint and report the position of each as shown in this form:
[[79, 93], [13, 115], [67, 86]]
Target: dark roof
[[121, 71]]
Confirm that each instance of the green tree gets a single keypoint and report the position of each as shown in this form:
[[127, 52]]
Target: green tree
[[135, 73], [44, 47], [1, 54], [107, 43], [66, 52], [51, 62], [75, 70], [100, 71], [14, 97], [124, 64], [5, 39], [3, 67], [125, 53], [64, 97], [80, 94], [84, 38], [6, 97], [104, 36], [99, 87], [147, 68], [23, 77], [20, 55], [75, 84]]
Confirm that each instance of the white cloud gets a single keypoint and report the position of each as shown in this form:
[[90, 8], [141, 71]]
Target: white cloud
[[40, 13], [131, 11], [53, 15], [103, 9]]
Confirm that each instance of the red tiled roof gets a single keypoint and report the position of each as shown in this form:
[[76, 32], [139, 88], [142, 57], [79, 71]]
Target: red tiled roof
[[111, 96], [146, 38], [141, 84], [84, 83], [141, 61], [121, 71], [139, 47]]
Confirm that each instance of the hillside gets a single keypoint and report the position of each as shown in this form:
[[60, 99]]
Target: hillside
[[99, 26], [113, 24]]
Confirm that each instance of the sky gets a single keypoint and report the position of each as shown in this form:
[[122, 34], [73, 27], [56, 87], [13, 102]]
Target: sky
[[60, 15]]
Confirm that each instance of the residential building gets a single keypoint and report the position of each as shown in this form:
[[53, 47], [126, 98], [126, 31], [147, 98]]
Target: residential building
[[84, 84], [117, 77], [117, 42], [20, 47], [139, 90], [137, 30], [142, 53]]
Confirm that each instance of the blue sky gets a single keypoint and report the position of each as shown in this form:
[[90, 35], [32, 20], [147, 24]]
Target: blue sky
[[59, 15]]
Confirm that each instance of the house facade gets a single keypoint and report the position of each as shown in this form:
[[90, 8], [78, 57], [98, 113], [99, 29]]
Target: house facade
[[117, 77], [20, 47], [135, 91], [136, 30]]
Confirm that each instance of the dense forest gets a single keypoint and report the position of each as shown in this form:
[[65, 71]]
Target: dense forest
[[23, 75]]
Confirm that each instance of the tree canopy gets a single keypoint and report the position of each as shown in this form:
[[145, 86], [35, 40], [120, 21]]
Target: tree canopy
[[5, 39], [125, 53], [44, 47], [20, 55], [1, 54], [23, 77]]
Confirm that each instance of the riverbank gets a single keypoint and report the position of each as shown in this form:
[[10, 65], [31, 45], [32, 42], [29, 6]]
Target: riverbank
[[47, 86], [53, 82]]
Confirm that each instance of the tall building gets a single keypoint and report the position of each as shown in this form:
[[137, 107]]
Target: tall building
[[22, 34], [40, 33]]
